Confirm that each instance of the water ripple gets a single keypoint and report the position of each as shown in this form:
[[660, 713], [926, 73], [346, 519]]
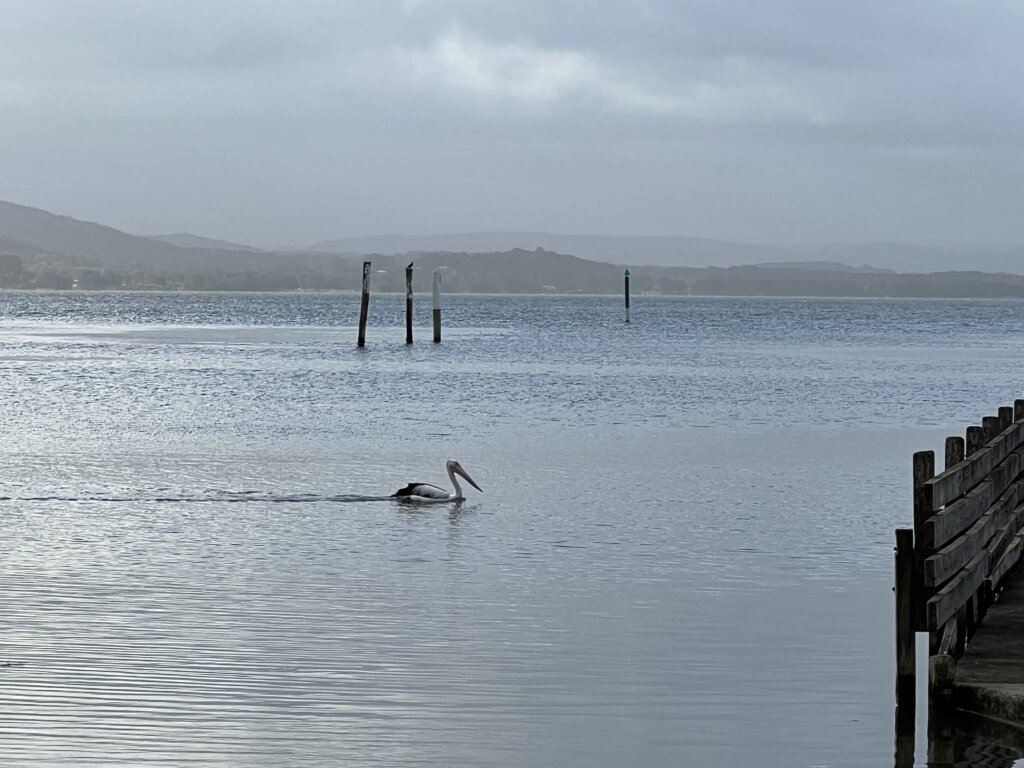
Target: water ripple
[[666, 511]]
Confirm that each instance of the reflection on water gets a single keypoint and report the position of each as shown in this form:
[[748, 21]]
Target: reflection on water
[[682, 554], [961, 740], [932, 733]]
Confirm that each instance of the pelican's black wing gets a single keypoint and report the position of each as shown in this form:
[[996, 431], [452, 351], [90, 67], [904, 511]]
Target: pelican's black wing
[[423, 490]]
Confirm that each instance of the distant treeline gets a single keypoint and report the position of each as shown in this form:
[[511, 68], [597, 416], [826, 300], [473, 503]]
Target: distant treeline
[[514, 271]]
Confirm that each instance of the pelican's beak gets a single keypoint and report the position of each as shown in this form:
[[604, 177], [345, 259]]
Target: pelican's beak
[[468, 479]]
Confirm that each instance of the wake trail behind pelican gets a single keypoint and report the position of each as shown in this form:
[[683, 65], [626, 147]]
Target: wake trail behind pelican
[[210, 497]]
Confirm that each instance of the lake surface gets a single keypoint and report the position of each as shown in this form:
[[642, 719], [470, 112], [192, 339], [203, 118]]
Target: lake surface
[[682, 554]]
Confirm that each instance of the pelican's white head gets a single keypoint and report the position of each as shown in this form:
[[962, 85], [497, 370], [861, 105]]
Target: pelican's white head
[[454, 466]]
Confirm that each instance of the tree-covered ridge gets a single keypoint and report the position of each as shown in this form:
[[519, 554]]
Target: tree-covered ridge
[[516, 271]]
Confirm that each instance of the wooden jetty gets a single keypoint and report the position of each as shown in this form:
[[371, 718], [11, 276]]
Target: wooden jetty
[[955, 572]]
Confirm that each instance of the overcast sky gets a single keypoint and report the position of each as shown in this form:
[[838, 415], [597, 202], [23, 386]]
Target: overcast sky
[[290, 123]]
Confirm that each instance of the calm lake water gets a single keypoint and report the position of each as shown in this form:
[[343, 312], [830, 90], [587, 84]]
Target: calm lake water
[[682, 554]]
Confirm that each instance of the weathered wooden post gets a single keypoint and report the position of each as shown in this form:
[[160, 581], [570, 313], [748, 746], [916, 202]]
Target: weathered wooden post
[[924, 470], [408, 304], [941, 731], [975, 440], [437, 306], [905, 737], [954, 451], [990, 426], [906, 655], [364, 304], [1005, 417], [627, 295]]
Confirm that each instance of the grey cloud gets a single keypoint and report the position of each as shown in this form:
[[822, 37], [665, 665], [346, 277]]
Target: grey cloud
[[297, 122]]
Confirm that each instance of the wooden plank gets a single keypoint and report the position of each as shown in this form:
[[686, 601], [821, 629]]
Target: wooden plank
[[950, 598], [960, 642], [1011, 466], [950, 636], [944, 564], [1000, 523], [1009, 559], [1004, 475], [1004, 538], [1013, 434], [997, 546], [946, 525], [940, 528], [958, 480], [1018, 409], [971, 617]]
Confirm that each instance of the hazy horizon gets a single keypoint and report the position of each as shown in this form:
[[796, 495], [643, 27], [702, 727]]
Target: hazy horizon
[[267, 125]]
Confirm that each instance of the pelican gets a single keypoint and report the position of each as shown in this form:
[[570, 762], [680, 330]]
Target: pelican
[[424, 492]]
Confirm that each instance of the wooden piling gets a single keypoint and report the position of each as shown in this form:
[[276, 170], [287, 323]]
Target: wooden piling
[[437, 306], [941, 733], [408, 304], [954, 451], [905, 735], [1005, 417], [906, 655], [975, 440], [627, 295], [990, 427], [924, 470], [364, 304]]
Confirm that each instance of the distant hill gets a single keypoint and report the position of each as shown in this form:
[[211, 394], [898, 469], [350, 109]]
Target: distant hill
[[185, 240], [917, 257], [41, 249], [671, 250], [819, 266], [64, 235], [668, 250]]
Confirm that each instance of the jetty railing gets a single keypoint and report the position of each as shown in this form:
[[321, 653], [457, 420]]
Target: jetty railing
[[966, 538]]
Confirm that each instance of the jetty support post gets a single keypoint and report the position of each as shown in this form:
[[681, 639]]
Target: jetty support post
[[1005, 416], [975, 441], [408, 304], [905, 737], [906, 655], [437, 306], [627, 295], [364, 304], [924, 470], [956, 448]]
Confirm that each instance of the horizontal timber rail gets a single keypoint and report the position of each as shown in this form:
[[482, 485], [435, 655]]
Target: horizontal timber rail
[[952, 567]]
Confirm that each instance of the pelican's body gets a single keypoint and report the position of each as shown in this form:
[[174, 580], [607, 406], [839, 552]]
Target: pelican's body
[[425, 492]]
